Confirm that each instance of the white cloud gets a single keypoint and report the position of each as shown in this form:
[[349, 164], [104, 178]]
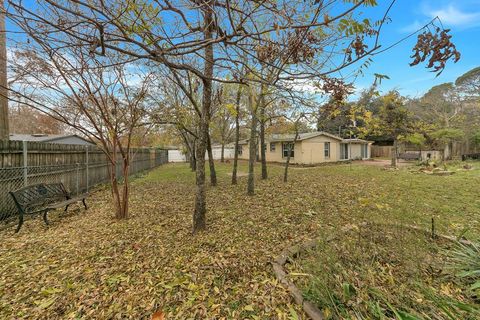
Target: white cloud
[[303, 85], [450, 16], [453, 16]]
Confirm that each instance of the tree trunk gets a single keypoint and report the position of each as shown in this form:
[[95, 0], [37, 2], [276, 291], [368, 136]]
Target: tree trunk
[[120, 198], [446, 152], [285, 173], [211, 163], [222, 157], [190, 151], [252, 149], [4, 128], [237, 134], [125, 189], [394, 153], [199, 214], [262, 138], [193, 158]]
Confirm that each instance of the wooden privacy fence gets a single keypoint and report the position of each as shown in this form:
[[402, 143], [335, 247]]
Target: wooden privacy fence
[[78, 167], [381, 151]]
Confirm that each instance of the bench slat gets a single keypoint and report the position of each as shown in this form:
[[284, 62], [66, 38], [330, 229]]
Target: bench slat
[[62, 204]]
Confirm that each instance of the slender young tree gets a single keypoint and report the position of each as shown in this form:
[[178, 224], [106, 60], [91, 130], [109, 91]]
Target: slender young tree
[[4, 128], [262, 121], [237, 133], [252, 142], [291, 145], [92, 96]]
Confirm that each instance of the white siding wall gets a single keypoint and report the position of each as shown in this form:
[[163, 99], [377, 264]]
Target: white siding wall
[[177, 155], [217, 153]]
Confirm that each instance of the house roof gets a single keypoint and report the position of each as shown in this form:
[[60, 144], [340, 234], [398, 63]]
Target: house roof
[[356, 140], [227, 146], [305, 136], [301, 136], [244, 141], [291, 137], [40, 137]]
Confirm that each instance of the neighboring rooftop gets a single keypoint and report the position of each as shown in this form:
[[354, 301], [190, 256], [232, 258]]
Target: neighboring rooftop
[[51, 138]]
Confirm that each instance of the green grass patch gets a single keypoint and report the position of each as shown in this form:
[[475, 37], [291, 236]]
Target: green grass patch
[[390, 272]]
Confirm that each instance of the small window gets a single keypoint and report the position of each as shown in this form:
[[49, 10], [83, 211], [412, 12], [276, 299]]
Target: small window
[[239, 150], [288, 146], [326, 149], [272, 146]]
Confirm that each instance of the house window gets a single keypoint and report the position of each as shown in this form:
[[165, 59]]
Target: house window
[[343, 151], [326, 149], [239, 150], [272, 147], [288, 146]]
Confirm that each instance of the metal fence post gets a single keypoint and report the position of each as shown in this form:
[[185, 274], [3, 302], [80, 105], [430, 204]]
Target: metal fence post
[[78, 178], [25, 164], [86, 164]]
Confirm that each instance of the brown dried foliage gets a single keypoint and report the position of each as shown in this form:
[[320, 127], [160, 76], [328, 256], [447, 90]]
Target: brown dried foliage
[[299, 48], [336, 88], [437, 47]]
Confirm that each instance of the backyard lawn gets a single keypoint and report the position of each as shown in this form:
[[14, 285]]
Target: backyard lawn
[[87, 265]]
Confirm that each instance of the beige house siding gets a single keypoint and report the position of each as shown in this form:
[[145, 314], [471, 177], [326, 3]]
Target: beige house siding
[[274, 156], [277, 155], [309, 151], [356, 151], [245, 152], [313, 150]]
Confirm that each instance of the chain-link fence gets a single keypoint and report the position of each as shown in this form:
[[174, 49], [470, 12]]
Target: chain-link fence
[[77, 167]]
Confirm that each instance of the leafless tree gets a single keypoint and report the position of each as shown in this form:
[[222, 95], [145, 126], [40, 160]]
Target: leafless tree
[[238, 97], [93, 96], [4, 127]]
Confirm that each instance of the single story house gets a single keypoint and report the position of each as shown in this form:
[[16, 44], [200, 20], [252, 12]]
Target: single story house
[[52, 138], [176, 154], [311, 148]]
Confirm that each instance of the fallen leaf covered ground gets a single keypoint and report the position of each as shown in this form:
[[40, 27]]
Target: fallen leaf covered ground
[[88, 265]]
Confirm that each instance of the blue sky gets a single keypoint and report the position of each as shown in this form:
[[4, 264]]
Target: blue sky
[[461, 16]]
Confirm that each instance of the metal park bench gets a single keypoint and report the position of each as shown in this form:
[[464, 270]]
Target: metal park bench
[[471, 156], [42, 198]]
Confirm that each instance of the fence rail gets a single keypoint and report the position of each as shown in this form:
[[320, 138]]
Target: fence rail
[[77, 167]]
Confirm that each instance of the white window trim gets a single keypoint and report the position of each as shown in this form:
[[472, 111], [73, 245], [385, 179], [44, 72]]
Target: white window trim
[[274, 146], [284, 150]]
